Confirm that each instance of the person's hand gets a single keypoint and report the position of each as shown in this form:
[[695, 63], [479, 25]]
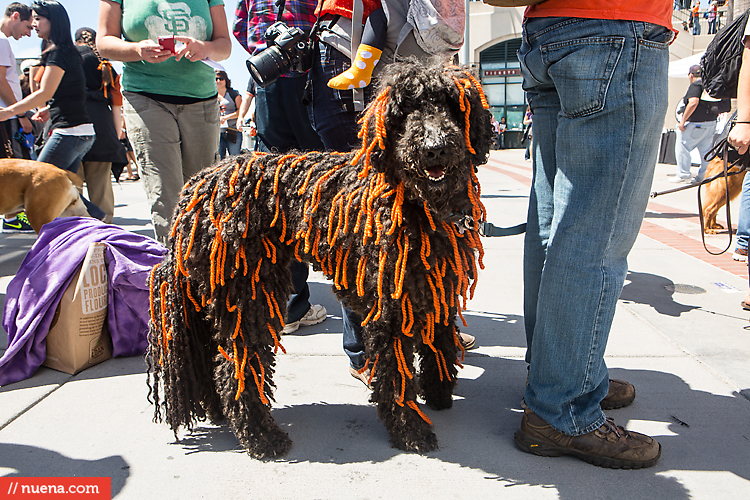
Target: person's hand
[[739, 137], [191, 49], [222, 120], [681, 127], [42, 115], [150, 51], [25, 124], [121, 134]]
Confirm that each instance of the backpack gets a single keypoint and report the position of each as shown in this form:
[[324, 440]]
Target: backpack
[[438, 25], [720, 64]]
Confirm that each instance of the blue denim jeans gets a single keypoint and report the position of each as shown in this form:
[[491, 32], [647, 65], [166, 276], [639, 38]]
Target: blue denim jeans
[[696, 135], [66, 152], [283, 122], [335, 122], [229, 148], [598, 90], [743, 222]]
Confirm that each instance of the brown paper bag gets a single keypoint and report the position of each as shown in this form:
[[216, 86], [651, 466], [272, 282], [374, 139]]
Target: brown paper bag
[[78, 337]]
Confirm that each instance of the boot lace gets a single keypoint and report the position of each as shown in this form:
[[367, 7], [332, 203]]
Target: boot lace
[[610, 426]]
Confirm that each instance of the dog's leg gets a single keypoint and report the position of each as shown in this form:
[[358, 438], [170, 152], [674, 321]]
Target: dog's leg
[[437, 376], [715, 198], [249, 415], [395, 393]]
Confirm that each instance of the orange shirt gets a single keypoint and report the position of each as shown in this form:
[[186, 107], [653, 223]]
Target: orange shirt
[[344, 7], [650, 11]]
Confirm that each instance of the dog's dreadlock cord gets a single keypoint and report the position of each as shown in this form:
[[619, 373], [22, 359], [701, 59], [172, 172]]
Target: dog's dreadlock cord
[[377, 109], [406, 312]]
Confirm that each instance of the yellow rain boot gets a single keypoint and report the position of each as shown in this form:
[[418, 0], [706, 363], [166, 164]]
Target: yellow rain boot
[[360, 74]]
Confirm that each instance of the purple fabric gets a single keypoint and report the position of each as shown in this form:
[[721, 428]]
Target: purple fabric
[[37, 288]]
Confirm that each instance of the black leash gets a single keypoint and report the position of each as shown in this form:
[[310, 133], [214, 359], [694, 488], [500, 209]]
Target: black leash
[[741, 163], [487, 229]]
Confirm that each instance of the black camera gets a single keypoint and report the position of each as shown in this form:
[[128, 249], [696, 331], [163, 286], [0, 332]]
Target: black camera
[[288, 49]]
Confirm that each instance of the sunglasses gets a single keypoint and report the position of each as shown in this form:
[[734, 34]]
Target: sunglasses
[[218, 78]]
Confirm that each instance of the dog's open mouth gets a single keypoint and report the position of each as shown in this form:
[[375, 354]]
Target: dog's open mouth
[[435, 173]]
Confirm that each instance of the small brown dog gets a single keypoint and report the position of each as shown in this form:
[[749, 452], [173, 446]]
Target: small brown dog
[[715, 195], [42, 190]]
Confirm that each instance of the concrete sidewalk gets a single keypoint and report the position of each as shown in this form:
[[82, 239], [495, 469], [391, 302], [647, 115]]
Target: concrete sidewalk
[[687, 354]]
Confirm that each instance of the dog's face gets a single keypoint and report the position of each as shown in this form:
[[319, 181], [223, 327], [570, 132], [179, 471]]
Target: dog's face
[[426, 122]]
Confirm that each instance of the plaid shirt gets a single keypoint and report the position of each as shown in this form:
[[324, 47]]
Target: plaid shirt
[[253, 17]]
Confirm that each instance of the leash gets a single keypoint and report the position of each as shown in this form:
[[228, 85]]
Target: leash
[[741, 163], [486, 229]]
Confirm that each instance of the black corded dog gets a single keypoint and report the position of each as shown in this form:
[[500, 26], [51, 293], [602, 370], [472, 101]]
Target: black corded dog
[[390, 224]]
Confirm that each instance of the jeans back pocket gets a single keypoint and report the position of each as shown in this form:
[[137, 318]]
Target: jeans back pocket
[[581, 70]]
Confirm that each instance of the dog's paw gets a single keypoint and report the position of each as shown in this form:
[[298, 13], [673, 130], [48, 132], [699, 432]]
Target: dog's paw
[[271, 443], [419, 442]]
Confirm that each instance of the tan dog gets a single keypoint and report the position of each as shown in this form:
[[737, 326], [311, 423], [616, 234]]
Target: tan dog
[[42, 190], [714, 195]]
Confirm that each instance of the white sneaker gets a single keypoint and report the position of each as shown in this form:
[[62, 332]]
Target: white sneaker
[[316, 314], [363, 377], [677, 179]]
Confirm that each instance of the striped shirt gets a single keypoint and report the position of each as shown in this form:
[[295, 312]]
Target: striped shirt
[[253, 17]]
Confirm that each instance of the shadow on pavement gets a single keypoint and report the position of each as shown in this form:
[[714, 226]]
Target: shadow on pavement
[[30, 461], [478, 431], [650, 289]]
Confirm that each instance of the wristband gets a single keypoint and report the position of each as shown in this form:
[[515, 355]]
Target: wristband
[[22, 115], [742, 122]]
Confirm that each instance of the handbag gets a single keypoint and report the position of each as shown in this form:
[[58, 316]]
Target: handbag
[[230, 134], [511, 3]]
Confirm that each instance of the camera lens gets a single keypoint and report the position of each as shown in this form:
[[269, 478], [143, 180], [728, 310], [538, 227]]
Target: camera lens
[[267, 66]]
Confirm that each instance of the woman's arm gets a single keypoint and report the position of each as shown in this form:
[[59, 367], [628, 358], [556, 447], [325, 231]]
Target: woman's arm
[[111, 45], [218, 48], [50, 81], [117, 118], [739, 136]]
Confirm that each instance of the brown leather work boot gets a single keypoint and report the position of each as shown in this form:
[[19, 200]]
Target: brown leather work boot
[[620, 394], [609, 446]]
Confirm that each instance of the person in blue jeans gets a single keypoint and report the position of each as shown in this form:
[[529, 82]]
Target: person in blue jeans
[[283, 124], [598, 92], [739, 137], [64, 87]]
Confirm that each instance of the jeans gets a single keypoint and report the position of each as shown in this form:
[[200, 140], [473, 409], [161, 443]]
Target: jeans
[[335, 122], [172, 142], [66, 152], [598, 91], [283, 124], [696, 135], [227, 147], [743, 223], [282, 121]]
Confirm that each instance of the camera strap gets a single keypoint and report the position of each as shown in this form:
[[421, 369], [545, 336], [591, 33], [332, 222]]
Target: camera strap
[[280, 4], [358, 14]]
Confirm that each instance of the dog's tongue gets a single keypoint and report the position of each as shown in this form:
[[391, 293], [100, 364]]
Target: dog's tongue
[[435, 171]]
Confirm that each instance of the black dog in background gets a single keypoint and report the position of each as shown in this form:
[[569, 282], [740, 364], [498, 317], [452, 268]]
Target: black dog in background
[[391, 224]]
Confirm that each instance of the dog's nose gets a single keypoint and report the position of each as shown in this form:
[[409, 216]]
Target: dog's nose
[[436, 153]]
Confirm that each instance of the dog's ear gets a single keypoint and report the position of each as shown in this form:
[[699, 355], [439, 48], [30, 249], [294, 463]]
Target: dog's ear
[[468, 89]]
